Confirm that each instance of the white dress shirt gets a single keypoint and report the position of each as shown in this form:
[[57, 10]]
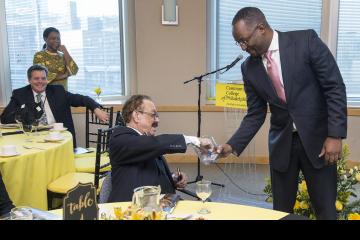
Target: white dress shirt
[[49, 115], [274, 47]]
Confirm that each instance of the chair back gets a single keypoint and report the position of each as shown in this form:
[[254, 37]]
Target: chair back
[[119, 120], [102, 146], [92, 120], [105, 189]]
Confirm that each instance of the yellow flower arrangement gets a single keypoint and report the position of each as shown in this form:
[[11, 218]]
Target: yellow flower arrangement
[[339, 206], [347, 178], [97, 91], [303, 187], [354, 216], [357, 177]]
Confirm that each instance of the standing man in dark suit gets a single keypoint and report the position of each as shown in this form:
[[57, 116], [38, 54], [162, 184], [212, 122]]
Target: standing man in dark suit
[[136, 154], [5, 203], [297, 76], [53, 102]]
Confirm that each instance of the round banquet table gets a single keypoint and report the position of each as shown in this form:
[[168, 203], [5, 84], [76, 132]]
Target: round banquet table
[[27, 175], [219, 211]]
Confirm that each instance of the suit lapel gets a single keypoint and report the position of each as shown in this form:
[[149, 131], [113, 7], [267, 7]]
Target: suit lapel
[[52, 102], [262, 79], [287, 58], [29, 97]]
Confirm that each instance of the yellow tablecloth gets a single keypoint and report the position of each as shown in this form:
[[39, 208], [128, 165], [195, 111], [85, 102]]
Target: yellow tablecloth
[[219, 211], [27, 175]]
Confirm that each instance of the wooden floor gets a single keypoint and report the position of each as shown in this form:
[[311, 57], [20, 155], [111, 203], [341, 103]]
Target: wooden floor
[[249, 180]]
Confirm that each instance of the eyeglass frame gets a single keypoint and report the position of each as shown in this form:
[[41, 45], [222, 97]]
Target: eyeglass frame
[[153, 115], [245, 43]]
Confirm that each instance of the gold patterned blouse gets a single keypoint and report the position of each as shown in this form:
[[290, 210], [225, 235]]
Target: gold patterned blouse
[[55, 63]]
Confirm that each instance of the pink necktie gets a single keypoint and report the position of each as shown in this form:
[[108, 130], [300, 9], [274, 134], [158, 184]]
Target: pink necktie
[[273, 72]]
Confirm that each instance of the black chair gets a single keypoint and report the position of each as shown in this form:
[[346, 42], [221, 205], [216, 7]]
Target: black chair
[[119, 120], [92, 120], [59, 187], [102, 147], [85, 162]]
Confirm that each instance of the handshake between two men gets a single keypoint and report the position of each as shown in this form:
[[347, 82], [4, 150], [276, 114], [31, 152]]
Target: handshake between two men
[[208, 151]]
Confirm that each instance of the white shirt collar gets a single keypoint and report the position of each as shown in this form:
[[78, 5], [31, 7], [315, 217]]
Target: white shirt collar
[[274, 45], [135, 130]]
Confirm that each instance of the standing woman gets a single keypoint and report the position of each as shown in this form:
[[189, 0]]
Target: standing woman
[[56, 58]]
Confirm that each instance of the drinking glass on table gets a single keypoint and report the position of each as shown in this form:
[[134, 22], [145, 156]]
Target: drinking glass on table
[[21, 213], [35, 126], [203, 191]]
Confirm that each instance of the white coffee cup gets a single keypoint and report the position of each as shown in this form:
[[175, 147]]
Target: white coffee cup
[[58, 126], [8, 149], [54, 135]]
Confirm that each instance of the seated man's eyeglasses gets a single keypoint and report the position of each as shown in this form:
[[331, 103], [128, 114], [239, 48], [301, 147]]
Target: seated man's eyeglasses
[[153, 115]]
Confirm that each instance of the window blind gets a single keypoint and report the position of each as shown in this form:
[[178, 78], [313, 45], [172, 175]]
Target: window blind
[[348, 48], [89, 29], [282, 15]]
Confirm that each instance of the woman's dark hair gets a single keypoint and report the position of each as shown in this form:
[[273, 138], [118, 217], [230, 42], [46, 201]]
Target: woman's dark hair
[[47, 32], [36, 67], [132, 104]]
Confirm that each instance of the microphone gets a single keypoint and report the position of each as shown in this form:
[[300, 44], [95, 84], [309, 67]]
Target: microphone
[[231, 65]]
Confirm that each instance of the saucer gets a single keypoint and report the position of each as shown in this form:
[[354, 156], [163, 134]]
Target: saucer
[[9, 155], [58, 130], [48, 139], [9, 126]]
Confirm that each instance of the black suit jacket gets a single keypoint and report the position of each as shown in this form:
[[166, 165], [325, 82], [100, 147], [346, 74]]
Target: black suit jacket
[[60, 102], [315, 94], [134, 161], [5, 203]]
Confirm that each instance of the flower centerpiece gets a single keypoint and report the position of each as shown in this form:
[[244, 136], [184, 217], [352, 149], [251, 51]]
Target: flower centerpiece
[[98, 91], [346, 180]]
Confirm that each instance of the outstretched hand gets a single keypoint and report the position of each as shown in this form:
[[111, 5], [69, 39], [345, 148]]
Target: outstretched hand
[[206, 145], [100, 114], [224, 150]]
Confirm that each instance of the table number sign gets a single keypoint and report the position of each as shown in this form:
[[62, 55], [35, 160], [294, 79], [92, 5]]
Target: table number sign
[[80, 203]]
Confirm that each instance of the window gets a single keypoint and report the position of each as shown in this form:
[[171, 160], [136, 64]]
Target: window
[[348, 48], [281, 15], [91, 30]]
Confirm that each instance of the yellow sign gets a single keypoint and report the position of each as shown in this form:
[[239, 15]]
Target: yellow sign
[[230, 95]]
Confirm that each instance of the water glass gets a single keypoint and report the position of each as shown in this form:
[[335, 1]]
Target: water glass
[[21, 213], [203, 191]]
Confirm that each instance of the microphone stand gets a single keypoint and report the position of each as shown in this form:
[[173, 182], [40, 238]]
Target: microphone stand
[[199, 79]]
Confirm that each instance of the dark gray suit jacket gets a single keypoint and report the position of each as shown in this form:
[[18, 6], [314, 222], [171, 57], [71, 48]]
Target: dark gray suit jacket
[[315, 94], [135, 161]]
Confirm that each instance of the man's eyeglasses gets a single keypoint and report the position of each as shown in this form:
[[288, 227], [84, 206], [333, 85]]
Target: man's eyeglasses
[[153, 115], [245, 43]]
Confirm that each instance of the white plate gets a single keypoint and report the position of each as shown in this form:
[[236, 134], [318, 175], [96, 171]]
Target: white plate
[[9, 126], [9, 155], [59, 130], [47, 139]]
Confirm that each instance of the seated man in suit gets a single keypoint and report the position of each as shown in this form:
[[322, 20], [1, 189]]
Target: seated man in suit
[[53, 101], [5, 203], [136, 153]]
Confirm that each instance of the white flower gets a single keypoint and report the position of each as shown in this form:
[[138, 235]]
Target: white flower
[[345, 177], [351, 171], [356, 168]]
